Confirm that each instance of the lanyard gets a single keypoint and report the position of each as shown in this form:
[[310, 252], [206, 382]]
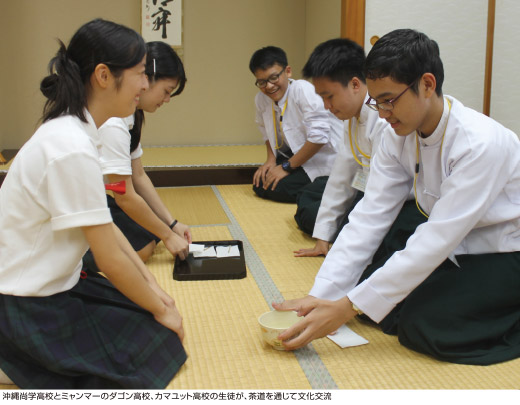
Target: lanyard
[[281, 120], [357, 146], [417, 159]]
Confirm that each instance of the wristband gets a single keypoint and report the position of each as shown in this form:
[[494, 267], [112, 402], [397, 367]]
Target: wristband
[[172, 225]]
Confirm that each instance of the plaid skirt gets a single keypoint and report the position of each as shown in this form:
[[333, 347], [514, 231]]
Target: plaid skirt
[[86, 338]]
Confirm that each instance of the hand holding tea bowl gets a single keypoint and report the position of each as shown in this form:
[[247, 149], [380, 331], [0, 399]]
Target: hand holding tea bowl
[[272, 323]]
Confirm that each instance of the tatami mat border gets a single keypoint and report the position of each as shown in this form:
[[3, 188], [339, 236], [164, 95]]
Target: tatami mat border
[[204, 165], [309, 360], [204, 146]]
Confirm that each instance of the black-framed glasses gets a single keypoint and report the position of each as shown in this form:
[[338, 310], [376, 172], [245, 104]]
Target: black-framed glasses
[[261, 83], [385, 105]]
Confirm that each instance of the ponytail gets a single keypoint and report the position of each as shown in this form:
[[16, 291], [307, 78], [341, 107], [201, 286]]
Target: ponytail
[[96, 42], [63, 88]]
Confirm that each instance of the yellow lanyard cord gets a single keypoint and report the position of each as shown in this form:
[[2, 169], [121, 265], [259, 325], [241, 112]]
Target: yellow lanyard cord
[[417, 159], [357, 146], [274, 124]]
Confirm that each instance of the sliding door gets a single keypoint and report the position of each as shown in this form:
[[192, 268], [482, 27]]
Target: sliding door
[[460, 29]]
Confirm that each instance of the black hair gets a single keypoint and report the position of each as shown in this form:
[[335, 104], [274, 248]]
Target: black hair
[[266, 57], [405, 55], [162, 62], [338, 59], [96, 42]]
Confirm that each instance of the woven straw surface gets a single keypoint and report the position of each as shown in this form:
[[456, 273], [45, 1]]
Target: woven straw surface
[[383, 363], [223, 338], [228, 155], [220, 317], [193, 205]]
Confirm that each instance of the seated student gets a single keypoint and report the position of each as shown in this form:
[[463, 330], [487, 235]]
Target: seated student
[[452, 292], [336, 69], [300, 135], [59, 330], [139, 212]]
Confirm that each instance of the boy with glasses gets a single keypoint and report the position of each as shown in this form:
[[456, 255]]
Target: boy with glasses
[[301, 137], [336, 70], [452, 292]]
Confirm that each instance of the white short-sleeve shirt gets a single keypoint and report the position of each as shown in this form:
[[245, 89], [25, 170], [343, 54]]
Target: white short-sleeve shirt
[[115, 154], [53, 188]]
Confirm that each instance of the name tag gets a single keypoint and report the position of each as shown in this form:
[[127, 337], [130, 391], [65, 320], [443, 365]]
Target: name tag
[[360, 180]]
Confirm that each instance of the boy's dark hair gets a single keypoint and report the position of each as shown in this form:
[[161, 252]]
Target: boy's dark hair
[[405, 55], [338, 59], [266, 57]]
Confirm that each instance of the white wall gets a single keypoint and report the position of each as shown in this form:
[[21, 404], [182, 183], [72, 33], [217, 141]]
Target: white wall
[[459, 27], [505, 86]]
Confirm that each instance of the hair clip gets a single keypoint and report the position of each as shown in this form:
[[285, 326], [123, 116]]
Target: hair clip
[[154, 66]]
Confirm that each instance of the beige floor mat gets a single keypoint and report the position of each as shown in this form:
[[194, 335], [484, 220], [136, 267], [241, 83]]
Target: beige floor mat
[[187, 156], [223, 339], [383, 363]]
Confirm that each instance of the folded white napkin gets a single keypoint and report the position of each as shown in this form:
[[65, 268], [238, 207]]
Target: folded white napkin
[[228, 251], [345, 337], [208, 251]]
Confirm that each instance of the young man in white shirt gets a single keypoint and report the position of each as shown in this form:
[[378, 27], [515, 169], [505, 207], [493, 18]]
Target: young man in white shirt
[[452, 292], [336, 70], [301, 137]]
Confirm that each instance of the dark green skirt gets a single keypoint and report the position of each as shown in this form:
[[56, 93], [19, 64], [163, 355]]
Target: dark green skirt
[[88, 337], [467, 315]]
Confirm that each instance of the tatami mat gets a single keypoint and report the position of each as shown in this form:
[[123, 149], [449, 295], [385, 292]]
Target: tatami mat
[[208, 156], [383, 363], [201, 156], [193, 205], [222, 335], [220, 317]]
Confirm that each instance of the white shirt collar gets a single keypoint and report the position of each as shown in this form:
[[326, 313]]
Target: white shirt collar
[[91, 129], [436, 136], [129, 121], [281, 102], [365, 110]]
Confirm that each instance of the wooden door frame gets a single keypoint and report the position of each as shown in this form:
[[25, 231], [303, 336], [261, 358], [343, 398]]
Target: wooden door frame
[[353, 20], [353, 27], [489, 56]]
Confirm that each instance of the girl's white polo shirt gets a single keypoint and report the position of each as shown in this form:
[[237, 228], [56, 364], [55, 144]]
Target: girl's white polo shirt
[[53, 188], [115, 154]]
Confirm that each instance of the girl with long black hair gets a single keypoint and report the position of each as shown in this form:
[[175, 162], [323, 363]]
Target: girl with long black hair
[[61, 328], [139, 212]]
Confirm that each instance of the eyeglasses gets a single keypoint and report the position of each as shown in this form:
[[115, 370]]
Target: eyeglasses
[[261, 83], [385, 105]]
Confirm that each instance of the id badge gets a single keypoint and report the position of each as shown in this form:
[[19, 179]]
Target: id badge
[[360, 180]]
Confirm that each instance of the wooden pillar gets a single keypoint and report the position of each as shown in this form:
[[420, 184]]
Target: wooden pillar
[[353, 20], [489, 56]]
